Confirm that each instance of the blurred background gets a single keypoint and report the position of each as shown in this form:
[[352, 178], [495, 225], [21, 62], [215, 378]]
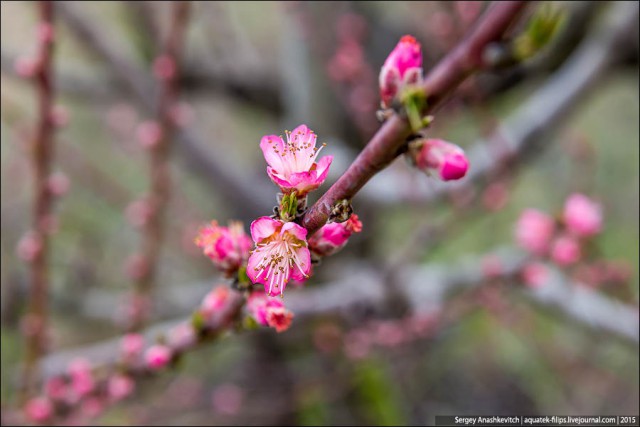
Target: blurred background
[[482, 341]]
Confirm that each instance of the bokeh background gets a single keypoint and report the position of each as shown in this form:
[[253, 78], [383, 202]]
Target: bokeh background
[[256, 68]]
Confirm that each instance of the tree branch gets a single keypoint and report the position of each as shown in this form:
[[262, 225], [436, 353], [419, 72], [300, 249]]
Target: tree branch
[[385, 145]]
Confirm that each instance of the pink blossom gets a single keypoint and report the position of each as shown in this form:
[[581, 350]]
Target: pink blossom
[[29, 246], [81, 377], [58, 184], [26, 67], [227, 247], [138, 212], [402, 67], [149, 133], [582, 216], [565, 250], [534, 231], [45, 32], [535, 274], [281, 254], [445, 158], [292, 164], [268, 311], [164, 67], [227, 399], [215, 300], [39, 409], [181, 336], [131, 345], [120, 386], [56, 388], [157, 356], [334, 236]]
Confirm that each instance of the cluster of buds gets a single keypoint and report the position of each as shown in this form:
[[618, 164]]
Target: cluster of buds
[[228, 247], [267, 311], [562, 240]]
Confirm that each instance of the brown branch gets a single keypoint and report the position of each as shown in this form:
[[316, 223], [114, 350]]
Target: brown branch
[[386, 144], [159, 158], [42, 153]]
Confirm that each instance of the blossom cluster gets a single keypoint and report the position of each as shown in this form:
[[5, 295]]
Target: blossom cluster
[[564, 241]]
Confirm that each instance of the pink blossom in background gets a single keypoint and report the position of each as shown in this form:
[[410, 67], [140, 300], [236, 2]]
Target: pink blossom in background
[[38, 409], [445, 159], [120, 386], [29, 246], [181, 336], [565, 251], [582, 216], [44, 32], [58, 184], [149, 133], [402, 67], [389, 333], [181, 114], [56, 388], [139, 212], [334, 236], [215, 300], [131, 345], [82, 382], [534, 230], [228, 247], [535, 274], [281, 254], [227, 399], [164, 67], [59, 116], [291, 164], [92, 407], [269, 311], [157, 356], [26, 67]]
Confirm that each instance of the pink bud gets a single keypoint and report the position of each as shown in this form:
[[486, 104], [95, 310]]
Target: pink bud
[[334, 236], [534, 231], [131, 345], [59, 116], [39, 409], [58, 184], [26, 67], [279, 318], [582, 216], [181, 114], [149, 133], [215, 300], [535, 274], [29, 246], [81, 376], [181, 336], [445, 158], [164, 67], [45, 32], [227, 399], [120, 386], [157, 356], [402, 67], [138, 212], [565, 251], [55, 388]]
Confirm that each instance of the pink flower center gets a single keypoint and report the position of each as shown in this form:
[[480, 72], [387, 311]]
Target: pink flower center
[[279, 257], [299, 152]]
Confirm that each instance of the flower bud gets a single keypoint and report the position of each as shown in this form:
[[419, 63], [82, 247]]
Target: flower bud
[[401, 68], [582, 216], [441, 157]]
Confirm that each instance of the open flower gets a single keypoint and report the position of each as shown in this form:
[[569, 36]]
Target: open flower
[[281, 254], [582, 216], [442, 157], [403, 67], [268, 311], [292, 163], [228, 247], [334, 236]]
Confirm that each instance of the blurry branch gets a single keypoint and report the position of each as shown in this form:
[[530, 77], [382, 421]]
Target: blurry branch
[[42, 151], [246, 198], [519, 136], [428, 288], [196, 79], [387, 143], [158, 198]]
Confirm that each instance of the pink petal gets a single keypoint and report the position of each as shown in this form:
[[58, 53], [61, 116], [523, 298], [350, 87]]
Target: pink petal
[[269, 144], [299, 232], [304, 258], [323, 168], [254, 274], [263, 227], [278, 180]]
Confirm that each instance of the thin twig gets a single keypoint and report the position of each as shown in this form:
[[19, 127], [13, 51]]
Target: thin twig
[[36, 318]]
